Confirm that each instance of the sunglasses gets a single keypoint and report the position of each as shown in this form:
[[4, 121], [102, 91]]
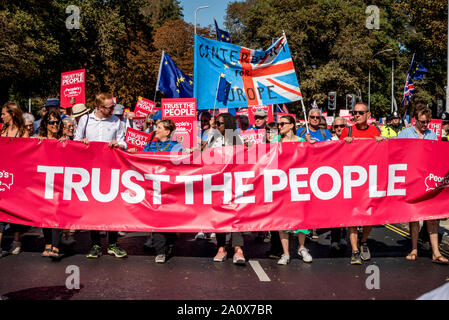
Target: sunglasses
[[314, 117], [54, 122], [259, 118], [360, 112], [219, 123], [281, 124], [339, 126], [109, 108], [424, 122]]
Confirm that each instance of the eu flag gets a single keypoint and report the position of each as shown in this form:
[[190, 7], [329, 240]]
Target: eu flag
[[221, 34], [223, 90], [417, 71], [172, 81]]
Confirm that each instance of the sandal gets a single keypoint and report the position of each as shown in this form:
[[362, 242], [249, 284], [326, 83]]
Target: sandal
[[439, 261], [46, 253], [412, 257], [55, 254]]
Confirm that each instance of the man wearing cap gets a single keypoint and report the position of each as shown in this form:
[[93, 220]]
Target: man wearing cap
[[393, 126], [445, 131], [101, 125], [260, 120]]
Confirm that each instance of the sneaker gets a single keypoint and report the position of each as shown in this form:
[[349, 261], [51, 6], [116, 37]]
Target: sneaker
[[160, 258], [200, 236], [239, 259], [284, 260], [355, 258], [314, 234], [304, 253], [95, 252], [114, 249], [365, 254], [15, 247]]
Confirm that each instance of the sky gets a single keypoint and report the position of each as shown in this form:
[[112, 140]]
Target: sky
[[205, 17]]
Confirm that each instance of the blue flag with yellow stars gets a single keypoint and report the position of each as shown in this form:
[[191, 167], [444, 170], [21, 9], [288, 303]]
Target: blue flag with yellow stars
[[417, 71], [222, 35], [223, 90], [172, 81]]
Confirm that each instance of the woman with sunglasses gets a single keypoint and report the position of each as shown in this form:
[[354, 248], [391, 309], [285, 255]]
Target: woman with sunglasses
[[226, 135], [51, 128], [287, 130], [13, 127]]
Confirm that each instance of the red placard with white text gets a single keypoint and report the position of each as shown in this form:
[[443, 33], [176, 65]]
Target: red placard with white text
[[136, 139], [252, 110], [72, 88], [435, 125], [253, 136], [183, 113], [144, 107], [280, 114]]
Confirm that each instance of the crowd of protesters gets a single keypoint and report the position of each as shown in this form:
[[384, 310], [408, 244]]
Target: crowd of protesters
[[107, 122]]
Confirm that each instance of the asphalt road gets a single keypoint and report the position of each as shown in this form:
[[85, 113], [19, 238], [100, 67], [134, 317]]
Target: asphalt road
[[191, 273]]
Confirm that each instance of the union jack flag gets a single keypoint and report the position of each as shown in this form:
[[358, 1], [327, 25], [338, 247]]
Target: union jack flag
[[257, 77], [409, 89]]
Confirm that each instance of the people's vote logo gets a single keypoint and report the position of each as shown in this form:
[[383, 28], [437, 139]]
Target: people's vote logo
[[434, 182], [6, 180]]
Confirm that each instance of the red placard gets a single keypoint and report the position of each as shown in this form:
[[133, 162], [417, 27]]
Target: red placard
[[144, 107], [136, 139], [243, 112], [435, 124], [252, 110], [253, 136], [72, 88], [139, 122], [183, 113], [280, 114]]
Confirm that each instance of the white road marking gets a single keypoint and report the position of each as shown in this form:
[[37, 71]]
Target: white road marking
[[259, 270]]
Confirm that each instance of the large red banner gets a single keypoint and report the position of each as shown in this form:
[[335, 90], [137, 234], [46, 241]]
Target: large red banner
[[288, 186], [72, 88]]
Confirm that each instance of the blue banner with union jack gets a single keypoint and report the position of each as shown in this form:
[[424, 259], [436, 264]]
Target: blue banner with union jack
[[256, 77]]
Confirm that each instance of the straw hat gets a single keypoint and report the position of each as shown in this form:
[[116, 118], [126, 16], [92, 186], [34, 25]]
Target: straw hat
[[79, 109]]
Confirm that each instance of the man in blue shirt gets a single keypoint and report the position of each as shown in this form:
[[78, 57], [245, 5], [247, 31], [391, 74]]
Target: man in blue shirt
[[420, 131], [316, 134]]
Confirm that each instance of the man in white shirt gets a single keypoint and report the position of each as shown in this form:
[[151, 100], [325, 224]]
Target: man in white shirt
[[102, 126]]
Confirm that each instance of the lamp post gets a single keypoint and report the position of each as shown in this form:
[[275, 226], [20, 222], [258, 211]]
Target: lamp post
[[196, 10], [369, 76]]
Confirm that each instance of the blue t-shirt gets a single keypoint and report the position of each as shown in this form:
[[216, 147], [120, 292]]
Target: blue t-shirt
[[411, 133], [317, 136], [160, 146]]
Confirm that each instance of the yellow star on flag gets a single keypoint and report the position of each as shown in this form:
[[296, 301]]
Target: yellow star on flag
[[181, 79], [165, 62], [190, 81], [226, 66], [227, 39], [222, 35], [233, 63], [235, 88], [222, 75], [177, 90]]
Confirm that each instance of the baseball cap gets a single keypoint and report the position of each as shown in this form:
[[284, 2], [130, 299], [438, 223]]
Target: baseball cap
[[119, 109], [261, 113], [52, 102]]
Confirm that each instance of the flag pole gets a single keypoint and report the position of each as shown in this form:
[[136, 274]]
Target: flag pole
[[158, 76], [216, 93], [304, 110]]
